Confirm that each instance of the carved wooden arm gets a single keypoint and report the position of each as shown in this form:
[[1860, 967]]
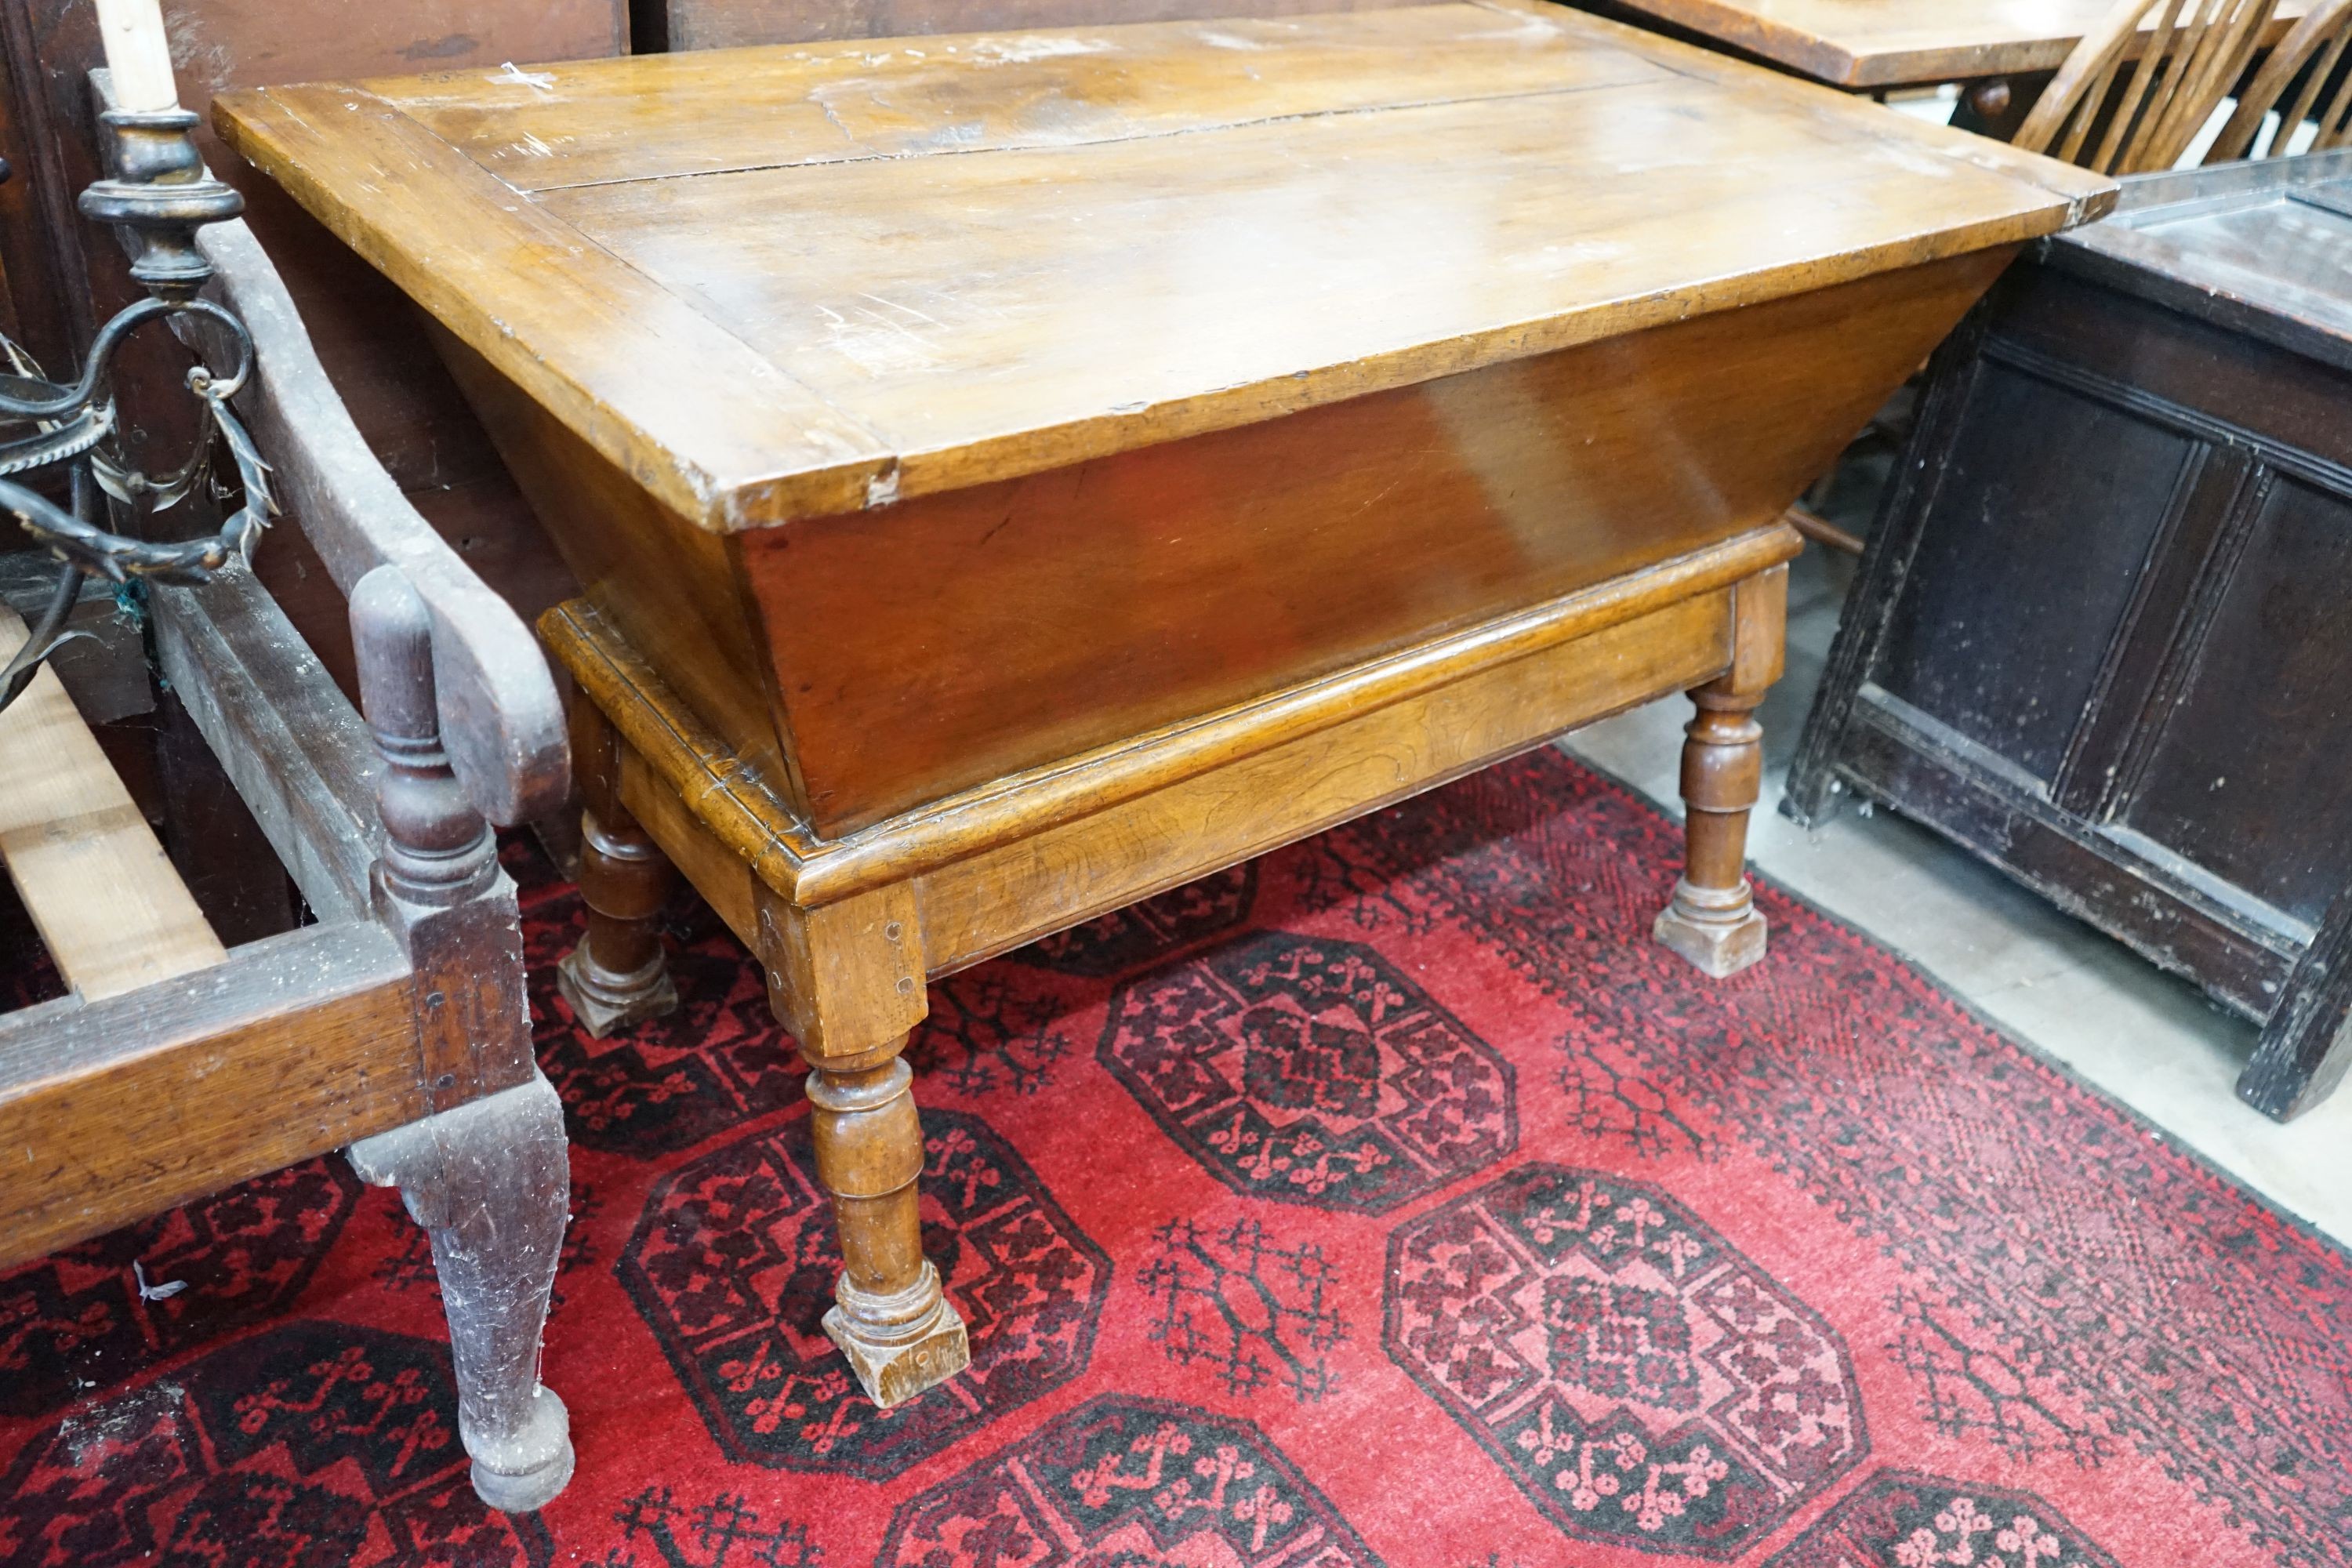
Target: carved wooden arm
[[501, 722]]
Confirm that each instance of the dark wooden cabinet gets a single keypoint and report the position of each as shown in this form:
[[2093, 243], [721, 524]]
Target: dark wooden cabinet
[[2102, 635]]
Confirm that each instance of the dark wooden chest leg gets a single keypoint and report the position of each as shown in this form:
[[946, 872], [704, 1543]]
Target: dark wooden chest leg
[[618, 974], [2306, 1044], [1713, 920], [490, 1183], [848, 980]]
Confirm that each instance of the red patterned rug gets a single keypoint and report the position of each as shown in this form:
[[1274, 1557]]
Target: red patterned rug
[[1392, 1201]]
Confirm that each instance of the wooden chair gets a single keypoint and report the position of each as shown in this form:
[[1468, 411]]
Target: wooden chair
[[2310, 63], [2141, 85], [396, 1025]]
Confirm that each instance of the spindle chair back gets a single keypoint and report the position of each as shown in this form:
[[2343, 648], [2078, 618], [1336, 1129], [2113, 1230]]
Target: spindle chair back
[[2139, 86], [2310, 63]]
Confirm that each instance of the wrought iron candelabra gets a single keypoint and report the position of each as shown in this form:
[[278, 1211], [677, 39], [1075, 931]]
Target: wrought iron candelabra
[[157, 196]]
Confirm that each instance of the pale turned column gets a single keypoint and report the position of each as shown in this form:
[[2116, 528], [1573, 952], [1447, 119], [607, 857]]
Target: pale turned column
[[138, 55]]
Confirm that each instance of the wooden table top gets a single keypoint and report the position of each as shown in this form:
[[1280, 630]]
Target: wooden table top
[[796, 281], [1902, 43]]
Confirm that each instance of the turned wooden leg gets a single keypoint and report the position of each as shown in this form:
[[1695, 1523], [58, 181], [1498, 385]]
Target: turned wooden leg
[[1713, 920], [848, 980], [2306, 1044], [618, 974], [490, 1183], [890, 1317]]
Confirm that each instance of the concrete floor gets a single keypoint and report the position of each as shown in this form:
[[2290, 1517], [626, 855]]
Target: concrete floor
[[2140, 1036]]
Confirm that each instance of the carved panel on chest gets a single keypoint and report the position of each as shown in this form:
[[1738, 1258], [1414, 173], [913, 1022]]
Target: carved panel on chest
[[2102, 637]]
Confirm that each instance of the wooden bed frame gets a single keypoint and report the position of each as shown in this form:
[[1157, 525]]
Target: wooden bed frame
[[395, 1026]]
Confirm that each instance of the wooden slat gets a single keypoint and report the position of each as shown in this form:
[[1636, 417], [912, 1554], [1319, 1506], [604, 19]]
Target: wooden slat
[[113, 912], [2322, 35], [113, 1111]]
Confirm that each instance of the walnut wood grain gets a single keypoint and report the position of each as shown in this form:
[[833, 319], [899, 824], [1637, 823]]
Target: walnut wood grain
[[641, 372], [991, 903], [865, 664], [1017, 864], [758, 828], [930, 647], [661, 116], [848, 322], [1001, 896]]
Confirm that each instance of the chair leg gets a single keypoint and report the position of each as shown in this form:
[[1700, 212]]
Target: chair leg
[[890, 1317], [490, 1182]]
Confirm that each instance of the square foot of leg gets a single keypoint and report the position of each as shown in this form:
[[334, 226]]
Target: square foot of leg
[[893, 1372], [1720, 935], [605, 1003]]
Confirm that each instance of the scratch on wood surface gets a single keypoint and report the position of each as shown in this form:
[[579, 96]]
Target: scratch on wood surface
[[508, 73], [909, 309], [1022, 50], [877, 343], [1524, 29]]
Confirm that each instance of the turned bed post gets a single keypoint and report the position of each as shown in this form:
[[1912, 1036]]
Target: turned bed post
[[487, 1174], [1713, 920]]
